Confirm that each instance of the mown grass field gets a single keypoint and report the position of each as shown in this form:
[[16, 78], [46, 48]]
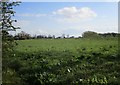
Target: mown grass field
[[67, 61]]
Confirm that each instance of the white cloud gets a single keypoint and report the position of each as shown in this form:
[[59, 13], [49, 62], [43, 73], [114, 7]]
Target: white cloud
[[72, 14], [32, 15]]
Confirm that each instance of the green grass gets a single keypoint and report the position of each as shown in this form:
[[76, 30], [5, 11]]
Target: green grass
[[65, 44]]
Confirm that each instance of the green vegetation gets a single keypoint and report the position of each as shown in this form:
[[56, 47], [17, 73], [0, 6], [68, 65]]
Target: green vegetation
[[6, 24], [92, 59], [65, 62], [65, 44]]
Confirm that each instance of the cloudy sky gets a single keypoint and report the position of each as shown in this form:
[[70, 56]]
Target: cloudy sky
[[73, 18]]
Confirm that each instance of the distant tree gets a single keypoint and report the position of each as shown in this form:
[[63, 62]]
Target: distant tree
[[109, 34], [45, 36], [63, 35], [39, 36], [72, 37], [90, 34], [58, 37], [34, 36], [49, 36], [68, 36], [22, 36], [79, 37], [53, 36]]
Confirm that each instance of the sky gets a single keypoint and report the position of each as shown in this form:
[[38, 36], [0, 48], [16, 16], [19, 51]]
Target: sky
[[73, 18], [69, 0]]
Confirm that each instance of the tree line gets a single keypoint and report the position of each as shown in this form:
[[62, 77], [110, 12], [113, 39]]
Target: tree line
[[87, 34]]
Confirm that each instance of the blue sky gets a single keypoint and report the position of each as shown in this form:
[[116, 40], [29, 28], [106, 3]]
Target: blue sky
[[73, 18], [69, 0]]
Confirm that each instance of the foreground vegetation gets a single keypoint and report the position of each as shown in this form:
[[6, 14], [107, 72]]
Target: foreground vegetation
[[63, 62]]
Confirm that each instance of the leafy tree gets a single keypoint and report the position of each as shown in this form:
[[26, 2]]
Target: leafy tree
[[90, 34], [6, 24]]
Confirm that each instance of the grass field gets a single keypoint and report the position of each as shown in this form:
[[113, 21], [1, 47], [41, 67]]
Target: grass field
[[66, 44], [66, 62]]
